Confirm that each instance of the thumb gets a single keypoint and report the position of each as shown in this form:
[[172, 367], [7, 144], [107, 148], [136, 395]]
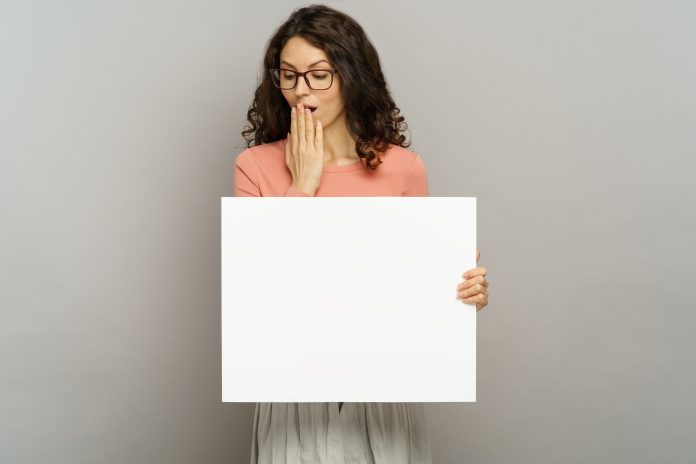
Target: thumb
[[319, 137]]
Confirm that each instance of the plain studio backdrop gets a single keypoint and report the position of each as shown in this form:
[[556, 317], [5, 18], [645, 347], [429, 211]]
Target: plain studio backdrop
[[571, 122]]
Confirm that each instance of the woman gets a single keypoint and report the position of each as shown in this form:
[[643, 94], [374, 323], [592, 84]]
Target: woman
[[323, 123]]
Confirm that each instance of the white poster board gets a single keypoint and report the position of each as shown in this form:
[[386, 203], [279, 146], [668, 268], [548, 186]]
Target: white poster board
[[347, 299]]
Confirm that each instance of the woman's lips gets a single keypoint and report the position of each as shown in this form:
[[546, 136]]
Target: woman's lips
[[310, 107]]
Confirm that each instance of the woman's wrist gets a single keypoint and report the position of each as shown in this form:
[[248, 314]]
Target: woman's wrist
[[309, 189]]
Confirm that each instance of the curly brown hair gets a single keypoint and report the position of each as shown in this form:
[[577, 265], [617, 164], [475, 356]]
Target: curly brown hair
[[373, 118]]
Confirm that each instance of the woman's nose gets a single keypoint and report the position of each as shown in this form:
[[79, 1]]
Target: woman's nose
[[301, 88]]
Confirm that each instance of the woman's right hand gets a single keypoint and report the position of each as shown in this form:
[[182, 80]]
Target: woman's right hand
[[304, 150]]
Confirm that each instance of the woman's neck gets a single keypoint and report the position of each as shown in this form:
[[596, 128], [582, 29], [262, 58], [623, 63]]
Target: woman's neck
[[339, 145]]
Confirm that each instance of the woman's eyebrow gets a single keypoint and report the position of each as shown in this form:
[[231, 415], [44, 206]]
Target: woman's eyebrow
[[293, 66]]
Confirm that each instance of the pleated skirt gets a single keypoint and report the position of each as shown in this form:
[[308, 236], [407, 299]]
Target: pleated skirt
[[358, 433]]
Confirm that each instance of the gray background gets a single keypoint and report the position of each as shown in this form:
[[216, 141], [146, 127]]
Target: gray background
[[572, 122]]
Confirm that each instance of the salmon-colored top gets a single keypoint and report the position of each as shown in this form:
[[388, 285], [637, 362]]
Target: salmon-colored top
[[260, 171]]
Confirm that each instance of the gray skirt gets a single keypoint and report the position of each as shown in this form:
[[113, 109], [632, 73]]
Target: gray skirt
[[358, 433]]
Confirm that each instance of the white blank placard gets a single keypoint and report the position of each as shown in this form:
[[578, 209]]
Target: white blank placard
[[347, 299]]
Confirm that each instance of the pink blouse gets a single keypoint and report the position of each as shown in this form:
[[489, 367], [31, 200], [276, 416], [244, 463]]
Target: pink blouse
[[260, 171]]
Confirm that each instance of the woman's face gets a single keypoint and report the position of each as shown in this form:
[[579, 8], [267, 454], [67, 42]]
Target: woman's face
[[299, 55]]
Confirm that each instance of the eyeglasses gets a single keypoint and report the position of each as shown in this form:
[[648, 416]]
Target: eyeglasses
[[316, 79]]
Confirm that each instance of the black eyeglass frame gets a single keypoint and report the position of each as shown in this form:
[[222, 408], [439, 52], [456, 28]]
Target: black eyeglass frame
[[276, 78]]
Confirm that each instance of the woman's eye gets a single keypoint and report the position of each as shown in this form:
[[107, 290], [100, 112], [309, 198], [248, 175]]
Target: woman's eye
[[320, 76], [289, 76]]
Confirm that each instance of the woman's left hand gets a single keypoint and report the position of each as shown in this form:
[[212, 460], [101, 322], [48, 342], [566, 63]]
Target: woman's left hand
[[474, 289]]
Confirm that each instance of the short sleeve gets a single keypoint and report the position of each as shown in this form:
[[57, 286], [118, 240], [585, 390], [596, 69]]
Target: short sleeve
[[246, 176], [416, 179]]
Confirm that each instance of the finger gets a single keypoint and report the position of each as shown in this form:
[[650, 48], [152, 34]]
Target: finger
[[478, 299], [302, 147], [474, 290], [474, 272], [473, 281], [288, 150], [309, 127], [478, 254], [293, 129], [319, 138]]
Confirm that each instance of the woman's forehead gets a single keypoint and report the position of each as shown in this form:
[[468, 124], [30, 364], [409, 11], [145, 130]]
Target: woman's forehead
[[299, 52]]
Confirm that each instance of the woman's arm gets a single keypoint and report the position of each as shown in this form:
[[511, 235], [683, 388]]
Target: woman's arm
[[416, 184], [246, 177]]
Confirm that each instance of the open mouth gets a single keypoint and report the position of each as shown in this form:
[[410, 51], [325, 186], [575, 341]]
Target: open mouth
[[311, 108]]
